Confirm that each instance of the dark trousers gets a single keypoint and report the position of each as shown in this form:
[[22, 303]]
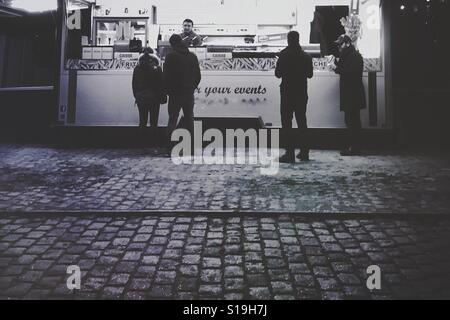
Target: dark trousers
[[294, 103], [353, 123], [178, 102], [148, 109]]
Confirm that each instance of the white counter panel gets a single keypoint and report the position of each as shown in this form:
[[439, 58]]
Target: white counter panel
[[105, 98]]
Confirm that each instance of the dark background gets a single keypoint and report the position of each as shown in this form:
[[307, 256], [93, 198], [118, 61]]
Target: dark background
[[421, 71], [419, 44], [28, 58]]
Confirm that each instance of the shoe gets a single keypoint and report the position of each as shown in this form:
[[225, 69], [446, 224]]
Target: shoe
[[286, 159], [303, 157]]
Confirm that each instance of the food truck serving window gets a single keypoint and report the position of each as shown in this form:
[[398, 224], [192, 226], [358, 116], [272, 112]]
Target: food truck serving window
[[100, 29], [108, 31], [321, 21], [113, 32]]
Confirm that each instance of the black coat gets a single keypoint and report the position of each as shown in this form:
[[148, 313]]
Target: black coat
[[351, 67], [294, 67], [181, 72], [148, 85]]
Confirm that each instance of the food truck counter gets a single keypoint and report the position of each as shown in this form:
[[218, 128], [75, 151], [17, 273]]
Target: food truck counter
[[237, 65], [241, 86]]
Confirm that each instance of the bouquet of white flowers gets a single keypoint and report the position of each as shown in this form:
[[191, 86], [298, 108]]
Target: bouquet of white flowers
[[352, 25]]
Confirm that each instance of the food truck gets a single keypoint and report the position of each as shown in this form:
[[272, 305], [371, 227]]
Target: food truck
[[241, 43]]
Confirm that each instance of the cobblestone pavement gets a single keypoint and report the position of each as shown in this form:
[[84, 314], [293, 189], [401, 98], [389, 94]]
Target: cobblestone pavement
[[250, 257], [42, 178]]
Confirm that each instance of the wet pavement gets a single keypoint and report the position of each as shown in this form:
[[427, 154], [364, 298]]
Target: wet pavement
[[46, 179], [224, 246]]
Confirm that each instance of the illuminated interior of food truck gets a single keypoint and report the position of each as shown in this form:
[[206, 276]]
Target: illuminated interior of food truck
[[241, 44], [107, 32]]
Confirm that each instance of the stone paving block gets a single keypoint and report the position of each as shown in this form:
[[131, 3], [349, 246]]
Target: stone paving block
[[112, 293], [211, 276], [126, 267], [255, 280], [132, 256], [281, 287], [140, 284], [328, 284], [165, 277], [209, 262], [234, 284], [145, 271], [187, 284], [209, 290], [344, 266], [260, 293], [234, 296], [233, 271]]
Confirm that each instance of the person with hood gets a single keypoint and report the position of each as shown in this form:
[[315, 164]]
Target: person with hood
[[148, 88], [294, 67], [350, 67], [181, 78]]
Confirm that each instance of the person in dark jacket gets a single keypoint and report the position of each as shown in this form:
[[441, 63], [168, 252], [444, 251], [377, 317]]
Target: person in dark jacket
[[294, 67], [181, 78], [148, 89], [350, 67]]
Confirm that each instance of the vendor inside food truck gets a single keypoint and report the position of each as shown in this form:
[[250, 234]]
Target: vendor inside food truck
[[190, 38]]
